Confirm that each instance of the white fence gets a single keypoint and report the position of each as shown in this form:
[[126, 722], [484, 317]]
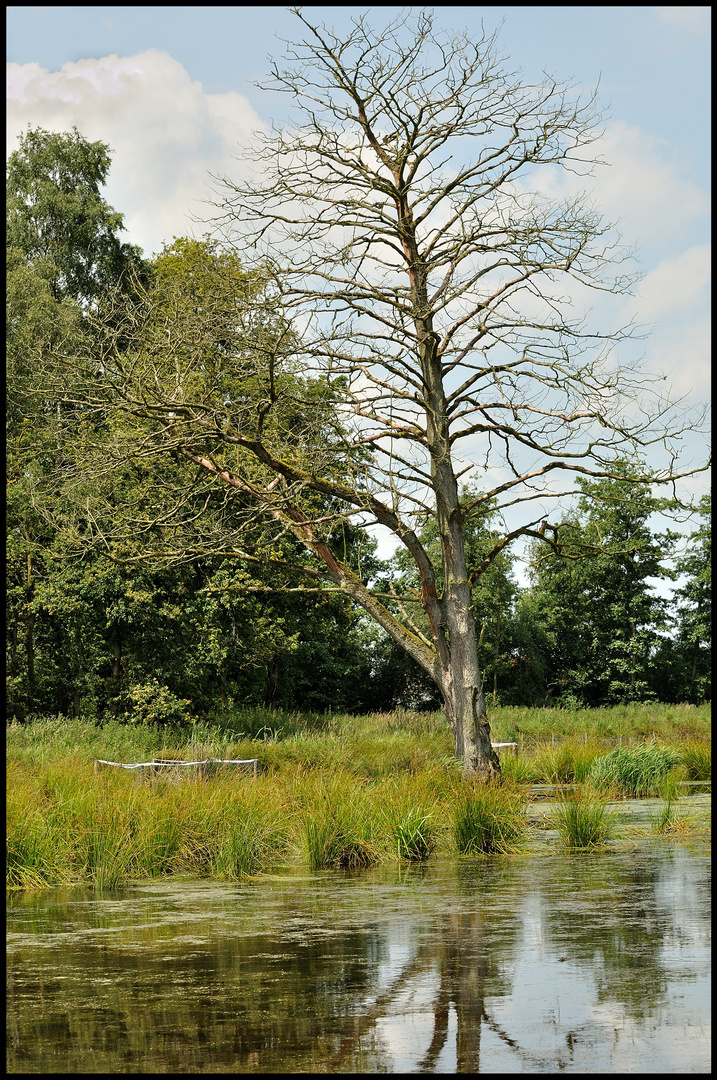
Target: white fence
[[207, 767]]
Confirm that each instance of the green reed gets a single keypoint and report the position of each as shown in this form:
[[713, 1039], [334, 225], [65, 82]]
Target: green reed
[[583, 820], [489, 820], [696, 758], [635, 770]]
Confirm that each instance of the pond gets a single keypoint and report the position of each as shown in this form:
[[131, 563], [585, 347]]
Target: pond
[[535, 963]]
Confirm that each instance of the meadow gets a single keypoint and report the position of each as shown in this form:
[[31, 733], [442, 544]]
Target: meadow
[[330, 790]]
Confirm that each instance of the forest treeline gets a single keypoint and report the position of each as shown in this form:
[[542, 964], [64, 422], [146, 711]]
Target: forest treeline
[[97, 628]]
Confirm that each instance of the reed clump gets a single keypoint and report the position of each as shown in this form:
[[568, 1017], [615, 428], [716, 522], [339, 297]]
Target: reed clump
[[668, 821], [489, 820], [635, 770], [696, 758], [337, 822], [583, 820]]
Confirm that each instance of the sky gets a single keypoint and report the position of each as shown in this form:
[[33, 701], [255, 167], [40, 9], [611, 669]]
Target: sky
[[172, 91]]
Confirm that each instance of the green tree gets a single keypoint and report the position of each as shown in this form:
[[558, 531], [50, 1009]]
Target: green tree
[[398, 316], [493, 592], [683, 666], [592, 596], [58, 223], [61, 251], [117, 613]]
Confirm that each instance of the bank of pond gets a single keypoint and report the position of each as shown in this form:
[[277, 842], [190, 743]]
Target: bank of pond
[[347, 795]]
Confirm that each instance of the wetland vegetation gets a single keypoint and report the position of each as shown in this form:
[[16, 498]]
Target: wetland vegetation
[[331, 790]]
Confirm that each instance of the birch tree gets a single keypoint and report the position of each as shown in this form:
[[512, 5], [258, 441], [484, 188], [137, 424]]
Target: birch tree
[[437, 298]]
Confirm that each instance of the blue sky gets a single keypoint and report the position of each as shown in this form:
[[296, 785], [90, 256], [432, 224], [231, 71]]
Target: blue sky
[[170, 89]]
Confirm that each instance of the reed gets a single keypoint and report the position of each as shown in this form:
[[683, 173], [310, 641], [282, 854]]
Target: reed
[[696, 759], [338, 824], [583, 819], [634, 770], [415, 835], [489, 820]]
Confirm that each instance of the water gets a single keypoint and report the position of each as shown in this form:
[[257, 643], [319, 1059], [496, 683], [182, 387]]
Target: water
[[534, 963]]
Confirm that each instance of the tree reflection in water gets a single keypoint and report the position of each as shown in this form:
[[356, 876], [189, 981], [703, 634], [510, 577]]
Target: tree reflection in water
[[451, 968]]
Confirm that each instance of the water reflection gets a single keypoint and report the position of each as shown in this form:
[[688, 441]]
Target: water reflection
[[529, 963]]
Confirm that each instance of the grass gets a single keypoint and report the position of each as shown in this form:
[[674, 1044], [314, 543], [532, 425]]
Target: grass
[[583, 819], [696, 760], [332, 791], [489, 820], [669, 822], [635, 770]]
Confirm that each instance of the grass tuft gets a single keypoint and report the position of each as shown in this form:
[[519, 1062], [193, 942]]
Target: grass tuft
[[634, 770], [583, 820], [414, 835], [697, 760], [489, 820]]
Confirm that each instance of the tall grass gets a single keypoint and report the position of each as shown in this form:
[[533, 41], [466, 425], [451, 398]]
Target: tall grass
[[634, 770], [339, 827], [696, 759], [583, 819], [414, 834], [489, 820], [332, 791]]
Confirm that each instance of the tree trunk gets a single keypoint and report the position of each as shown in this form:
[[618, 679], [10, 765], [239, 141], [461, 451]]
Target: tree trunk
[[454, 630], [464, 700], [497, 655]]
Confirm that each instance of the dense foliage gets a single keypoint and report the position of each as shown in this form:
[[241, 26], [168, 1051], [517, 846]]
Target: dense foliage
[[98, 628]]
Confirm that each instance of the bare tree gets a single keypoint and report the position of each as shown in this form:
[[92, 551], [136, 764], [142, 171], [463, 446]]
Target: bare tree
[[402, 232]]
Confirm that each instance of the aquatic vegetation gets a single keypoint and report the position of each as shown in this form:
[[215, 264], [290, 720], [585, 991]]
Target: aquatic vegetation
[[414, 835], [634, 770], [338, 821], [583, 819], [345, 791], [696, 759], [489, 820]]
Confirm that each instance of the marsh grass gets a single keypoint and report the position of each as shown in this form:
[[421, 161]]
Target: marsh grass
[[634, 720], [489, 820], [696, 760], [414, 834], [331, 791], [583, 820], [337, 820], [635, 770], [668, 821], [664, 820]]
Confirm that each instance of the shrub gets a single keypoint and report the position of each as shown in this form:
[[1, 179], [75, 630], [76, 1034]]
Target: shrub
[[152, 703]]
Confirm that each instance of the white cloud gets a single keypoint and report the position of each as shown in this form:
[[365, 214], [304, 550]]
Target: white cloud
[[692, 20], [642, 186], [645, 186], [166, 133], [675, 297], [677, 287]]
